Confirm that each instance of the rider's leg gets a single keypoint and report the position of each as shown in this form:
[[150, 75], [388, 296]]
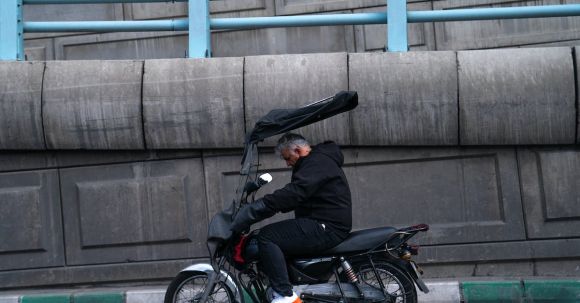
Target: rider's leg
[[290, 237]]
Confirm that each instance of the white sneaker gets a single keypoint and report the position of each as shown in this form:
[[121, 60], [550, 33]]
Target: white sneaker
[[278, 298]]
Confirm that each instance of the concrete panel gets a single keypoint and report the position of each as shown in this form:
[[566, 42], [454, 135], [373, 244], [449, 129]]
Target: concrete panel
[[193, 103], [122, 46], [292, 81], [437, 271], [93, 105], [558, 268], [241, 8], [293, 7], [465, 195], [134, 212], [301, 40], [26, 160], [373, 37], [496, 251], [143, 11], [551, 191], [404, 98], [84, 158], [505, 269], [517, 96], [223, 8], [161, 271], [20, 105], [502, 33], [72, 12], [30, 220], [39, 49]]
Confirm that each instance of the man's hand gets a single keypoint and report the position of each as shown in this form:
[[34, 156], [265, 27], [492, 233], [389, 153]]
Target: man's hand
[[250, 214]]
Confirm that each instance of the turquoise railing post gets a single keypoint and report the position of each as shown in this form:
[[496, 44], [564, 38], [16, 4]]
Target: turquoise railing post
[[199, 31], [397, 26], [11, 30]]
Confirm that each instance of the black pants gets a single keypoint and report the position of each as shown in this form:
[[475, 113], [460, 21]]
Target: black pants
[[290, 237]]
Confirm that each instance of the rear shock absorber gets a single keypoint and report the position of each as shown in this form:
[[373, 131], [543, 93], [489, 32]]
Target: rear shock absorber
[[350, 274]]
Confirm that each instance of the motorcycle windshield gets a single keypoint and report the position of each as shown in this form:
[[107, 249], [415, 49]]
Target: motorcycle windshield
[[219, 227]]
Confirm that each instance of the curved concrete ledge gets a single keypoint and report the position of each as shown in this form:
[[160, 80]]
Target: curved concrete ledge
[[517, 96], [193, 103], [93, 105], [484, 97], [404, 98], [20, 105]]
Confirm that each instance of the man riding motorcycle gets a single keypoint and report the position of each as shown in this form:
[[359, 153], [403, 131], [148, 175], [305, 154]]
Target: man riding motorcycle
[[320, 197]]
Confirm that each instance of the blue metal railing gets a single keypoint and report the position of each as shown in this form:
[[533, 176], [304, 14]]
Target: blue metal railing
[[199, 24]]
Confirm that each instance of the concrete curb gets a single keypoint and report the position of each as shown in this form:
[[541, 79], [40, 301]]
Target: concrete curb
[[445, 291], [440, 292]]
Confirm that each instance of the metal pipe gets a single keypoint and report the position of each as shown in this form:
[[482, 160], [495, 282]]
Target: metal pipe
[[412, 17], [494, 13], [107, 26], [294, 21], [307, 20], [93, 1]]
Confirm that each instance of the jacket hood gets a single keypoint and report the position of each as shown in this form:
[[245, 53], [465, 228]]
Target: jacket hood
[[331, 150]]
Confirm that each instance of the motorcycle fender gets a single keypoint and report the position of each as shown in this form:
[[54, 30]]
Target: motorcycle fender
[[417, 277], [224, 276], [411, 271]]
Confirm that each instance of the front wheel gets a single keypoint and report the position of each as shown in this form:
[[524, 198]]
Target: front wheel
[[399, 288], [188, 287]]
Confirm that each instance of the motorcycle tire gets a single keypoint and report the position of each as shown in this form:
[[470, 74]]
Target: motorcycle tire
[[398, 284], [189, 286]]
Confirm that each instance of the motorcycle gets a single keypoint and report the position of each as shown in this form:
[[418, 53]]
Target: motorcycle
[[372, 265]]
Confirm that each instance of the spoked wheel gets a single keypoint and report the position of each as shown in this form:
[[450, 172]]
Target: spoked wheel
[[398, 286], [188, 287]]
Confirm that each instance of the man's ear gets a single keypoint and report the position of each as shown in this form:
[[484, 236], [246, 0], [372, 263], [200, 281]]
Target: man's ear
[[301, 151]]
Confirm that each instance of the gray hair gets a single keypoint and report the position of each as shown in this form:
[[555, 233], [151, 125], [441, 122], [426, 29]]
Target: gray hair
[[290, 140]]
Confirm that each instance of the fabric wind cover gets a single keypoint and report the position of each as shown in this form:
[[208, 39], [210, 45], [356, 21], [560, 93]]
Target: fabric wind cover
[[279, 121]]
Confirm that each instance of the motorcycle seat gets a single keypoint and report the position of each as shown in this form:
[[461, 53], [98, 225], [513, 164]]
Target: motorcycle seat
[[362, 240]]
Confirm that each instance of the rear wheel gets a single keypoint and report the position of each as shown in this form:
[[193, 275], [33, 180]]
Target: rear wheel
[[188, 287], [399, 288]]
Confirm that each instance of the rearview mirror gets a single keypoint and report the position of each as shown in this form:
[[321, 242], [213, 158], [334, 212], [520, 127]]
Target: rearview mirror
[[252, 186], [265, 179]]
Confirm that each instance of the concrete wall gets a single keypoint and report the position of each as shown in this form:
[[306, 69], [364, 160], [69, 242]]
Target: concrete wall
[[127, 217], [109, 170], [349, 38], [127, 160]]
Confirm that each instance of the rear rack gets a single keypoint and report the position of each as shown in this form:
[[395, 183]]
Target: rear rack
[[415, 228]]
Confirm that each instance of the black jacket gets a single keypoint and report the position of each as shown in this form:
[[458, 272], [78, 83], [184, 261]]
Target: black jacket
[[318, 190]]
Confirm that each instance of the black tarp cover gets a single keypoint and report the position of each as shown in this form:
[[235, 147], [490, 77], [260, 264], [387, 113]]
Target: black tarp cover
[[279, 121]]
